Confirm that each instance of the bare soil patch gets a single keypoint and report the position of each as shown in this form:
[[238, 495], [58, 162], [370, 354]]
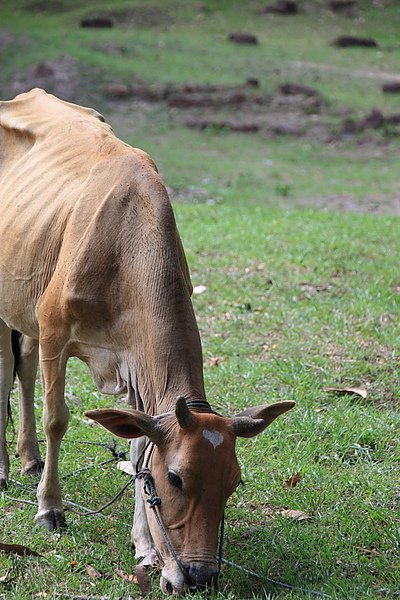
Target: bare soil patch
[[349, 203], [49, 6], [63, 76], [293, 110], [7, 39], [140, 16], [60, 76]]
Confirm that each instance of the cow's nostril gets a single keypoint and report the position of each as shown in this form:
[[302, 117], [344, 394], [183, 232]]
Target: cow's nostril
[[203, 575], [166, 586]]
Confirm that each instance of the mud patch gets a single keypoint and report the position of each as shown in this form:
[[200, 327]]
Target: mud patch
[[293, 111], [349, 203], [49, 6], [9, 39], [61, 76], [140, 16]]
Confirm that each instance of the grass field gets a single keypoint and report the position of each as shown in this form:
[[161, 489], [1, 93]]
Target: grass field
[[296, 240]]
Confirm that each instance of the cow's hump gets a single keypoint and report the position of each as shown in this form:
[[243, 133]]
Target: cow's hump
[[33, 113]]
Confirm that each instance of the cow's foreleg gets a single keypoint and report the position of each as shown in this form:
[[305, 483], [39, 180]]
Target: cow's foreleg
[[140, 536], [27, 446], [55, 419], [6, 382]]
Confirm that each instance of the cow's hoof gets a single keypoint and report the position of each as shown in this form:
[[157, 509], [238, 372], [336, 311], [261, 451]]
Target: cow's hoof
[[51, 519], [3, 484], [33, 467]]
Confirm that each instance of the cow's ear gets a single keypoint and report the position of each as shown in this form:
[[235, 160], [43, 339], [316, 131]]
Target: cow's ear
[[127, 423], [254, 420]]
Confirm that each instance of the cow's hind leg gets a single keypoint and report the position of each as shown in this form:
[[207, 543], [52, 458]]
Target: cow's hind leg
[[26, 367], [141, 536], [55, 418], [6, 382]]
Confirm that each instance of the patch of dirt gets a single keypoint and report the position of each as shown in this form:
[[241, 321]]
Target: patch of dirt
[[350, 41], [240, 37], [349, 203], [110, 49], [48, 6], [7, 39], [61, 76], [294, 110], [282, 7], [140, 16], [375, 74]]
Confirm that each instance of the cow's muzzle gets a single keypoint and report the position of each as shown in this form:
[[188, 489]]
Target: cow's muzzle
[[201, 576]]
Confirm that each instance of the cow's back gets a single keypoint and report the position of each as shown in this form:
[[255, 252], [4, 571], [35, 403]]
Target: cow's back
[[62, 170]]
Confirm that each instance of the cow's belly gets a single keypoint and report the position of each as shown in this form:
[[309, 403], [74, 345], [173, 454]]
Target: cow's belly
[[26, 266], [21, 317]]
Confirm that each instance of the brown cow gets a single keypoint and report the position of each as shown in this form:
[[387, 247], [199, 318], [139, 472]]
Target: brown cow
[[91, 265]]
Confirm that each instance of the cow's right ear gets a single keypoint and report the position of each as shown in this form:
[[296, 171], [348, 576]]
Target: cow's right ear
[[127, 423]]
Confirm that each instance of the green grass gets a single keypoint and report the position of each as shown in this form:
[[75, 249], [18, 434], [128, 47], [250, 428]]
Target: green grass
[[296, 300], [277, 338]]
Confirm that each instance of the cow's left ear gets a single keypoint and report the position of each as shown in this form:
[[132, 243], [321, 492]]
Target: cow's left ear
[[127, 423], [254, 420]]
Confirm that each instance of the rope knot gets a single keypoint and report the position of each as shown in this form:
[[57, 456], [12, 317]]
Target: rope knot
[[154, 501]]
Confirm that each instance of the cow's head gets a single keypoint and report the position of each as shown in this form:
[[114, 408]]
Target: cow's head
[[195, 470]]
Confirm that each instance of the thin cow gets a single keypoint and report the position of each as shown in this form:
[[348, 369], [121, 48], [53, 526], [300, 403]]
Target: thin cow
[[91, 265]]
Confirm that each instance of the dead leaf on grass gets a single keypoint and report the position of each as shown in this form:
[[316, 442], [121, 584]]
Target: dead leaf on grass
[[347, 390], [296, 515], [199, 289], [18, 549], [92, 572], [368, 551], [293, 480], [126, 466], [125, 576], [214, 361], [143, 579]]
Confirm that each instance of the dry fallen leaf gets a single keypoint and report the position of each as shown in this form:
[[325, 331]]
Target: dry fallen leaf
[[18, 549], [297, 515], [92, 572], [125, 576], [73, 564], [143, 579], [214, 361], [126, 466], [347, 390], [368, 551], [293, 480], [199, 289]]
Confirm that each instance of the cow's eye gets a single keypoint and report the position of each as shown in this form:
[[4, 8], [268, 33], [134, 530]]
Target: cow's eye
[[175, 480]]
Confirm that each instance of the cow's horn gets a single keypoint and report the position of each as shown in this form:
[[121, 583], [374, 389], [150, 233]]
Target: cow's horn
[[185, 418]]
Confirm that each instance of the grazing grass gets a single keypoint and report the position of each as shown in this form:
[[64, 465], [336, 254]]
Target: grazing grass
[[319, 310], [296, 300]]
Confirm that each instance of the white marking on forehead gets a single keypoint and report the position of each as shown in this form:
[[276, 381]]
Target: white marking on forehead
[[214, 437]]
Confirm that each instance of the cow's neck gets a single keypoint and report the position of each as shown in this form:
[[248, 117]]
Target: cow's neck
[[166, 350], [167, 357]]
